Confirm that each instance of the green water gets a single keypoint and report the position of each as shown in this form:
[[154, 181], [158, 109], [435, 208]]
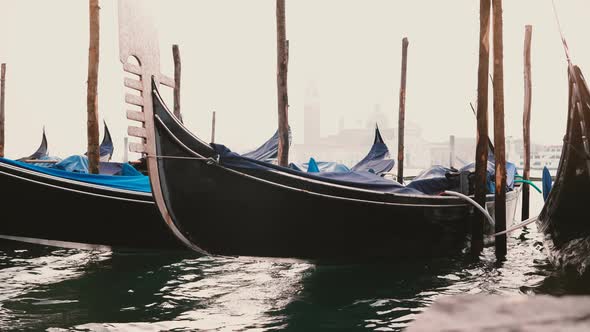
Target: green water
[[52, 289]]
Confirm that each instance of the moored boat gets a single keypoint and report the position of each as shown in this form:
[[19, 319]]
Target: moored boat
[[563, 219]]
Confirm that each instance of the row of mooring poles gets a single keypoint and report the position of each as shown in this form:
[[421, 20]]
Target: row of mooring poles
[[499, 134], [482, 127]]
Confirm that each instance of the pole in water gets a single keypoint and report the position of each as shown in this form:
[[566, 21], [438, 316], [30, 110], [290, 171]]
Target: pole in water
[[2, 84], [213, 128], [499, 138], [452, 151], [92, 95], [481, 158], [402, 113], [177, 69], [526, 121], [283, 98]]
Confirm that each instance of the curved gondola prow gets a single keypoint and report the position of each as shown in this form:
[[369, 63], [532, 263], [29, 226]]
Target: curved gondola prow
[[138, 40], [106, 146], [41, 152], [573, 172]]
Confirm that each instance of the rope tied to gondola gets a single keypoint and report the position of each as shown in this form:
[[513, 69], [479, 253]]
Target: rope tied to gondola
[[210, 160], [488, 216]]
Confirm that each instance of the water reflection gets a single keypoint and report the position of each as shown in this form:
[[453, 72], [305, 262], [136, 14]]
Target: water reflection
[[65, 289]]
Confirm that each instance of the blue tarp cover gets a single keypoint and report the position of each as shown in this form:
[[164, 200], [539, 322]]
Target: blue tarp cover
[[547, 183], [79, 164], [324, 166], [377, 160], [434, 180], [136, 183], [363, 180], [268, 150]]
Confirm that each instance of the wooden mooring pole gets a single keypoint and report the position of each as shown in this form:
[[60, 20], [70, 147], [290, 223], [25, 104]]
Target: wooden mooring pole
[[177, 68], [526, 121], [2, 85], [481, 158], [92, 96], [283, 99], [213, 128], [499, 138], [452, 151], [402, 113]]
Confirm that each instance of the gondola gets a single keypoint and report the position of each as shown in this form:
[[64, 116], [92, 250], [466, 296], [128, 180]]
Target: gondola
[[218, 202], [563, 219], [79, 209], [222, 203]]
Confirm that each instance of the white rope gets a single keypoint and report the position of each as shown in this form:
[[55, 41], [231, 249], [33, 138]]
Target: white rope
[[474, 203], [521, 225], [488, 216]]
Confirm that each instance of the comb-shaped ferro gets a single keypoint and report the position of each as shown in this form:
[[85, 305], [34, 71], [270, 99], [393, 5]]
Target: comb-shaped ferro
[[138, 40]]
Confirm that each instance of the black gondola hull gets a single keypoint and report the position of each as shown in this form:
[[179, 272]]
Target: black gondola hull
[[280, 214], [564, 218], [49, 208]]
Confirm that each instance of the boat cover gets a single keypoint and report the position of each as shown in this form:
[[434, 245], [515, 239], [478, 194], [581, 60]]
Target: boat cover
[[377, 160], [268, 150], [324, 166], [546, 182], [362, 179], [128, 182], [79, 164], [435, 179]]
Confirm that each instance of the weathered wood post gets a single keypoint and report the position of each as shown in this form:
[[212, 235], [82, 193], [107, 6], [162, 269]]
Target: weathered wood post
[[177, 68], [481, 158], [92, 96], [452, 150], [213, 128], [2, 84], [283, 99], [402, 113], [526, 121], [499, 139]]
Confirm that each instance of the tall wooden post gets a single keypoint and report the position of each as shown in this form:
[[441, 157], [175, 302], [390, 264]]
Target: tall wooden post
[[481, 158], [499, 140], [92, 96], [451, 150], [526, 121], [283, 99], [2, 84], [213, 128], [177, 68], [402, 113]]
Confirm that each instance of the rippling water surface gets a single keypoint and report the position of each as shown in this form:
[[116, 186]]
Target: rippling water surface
[[52, 289]]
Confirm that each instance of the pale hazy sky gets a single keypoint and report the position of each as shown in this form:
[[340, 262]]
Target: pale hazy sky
[[352, 48]]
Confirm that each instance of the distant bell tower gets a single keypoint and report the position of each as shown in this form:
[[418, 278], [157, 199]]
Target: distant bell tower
[[311, 114]]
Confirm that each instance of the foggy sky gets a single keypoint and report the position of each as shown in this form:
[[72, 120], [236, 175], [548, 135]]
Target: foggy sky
[[351, 48]]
